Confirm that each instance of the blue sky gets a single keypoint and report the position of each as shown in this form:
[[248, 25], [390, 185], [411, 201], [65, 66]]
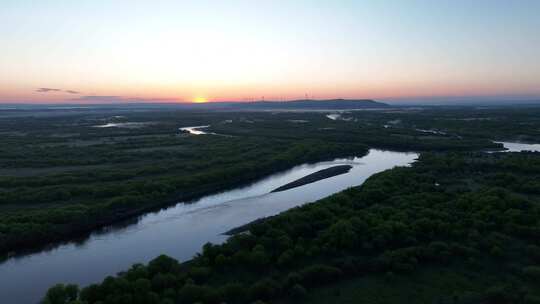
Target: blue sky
[[235, 50]]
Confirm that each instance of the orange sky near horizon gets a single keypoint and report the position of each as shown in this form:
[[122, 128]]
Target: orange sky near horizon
[[274, 93]]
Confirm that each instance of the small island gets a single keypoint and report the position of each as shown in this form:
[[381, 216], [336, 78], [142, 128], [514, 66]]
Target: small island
[[316, 176]]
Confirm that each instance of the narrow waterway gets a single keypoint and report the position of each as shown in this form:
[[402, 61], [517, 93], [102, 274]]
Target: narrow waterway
[[178, 231], [518, 147], [196, 130]]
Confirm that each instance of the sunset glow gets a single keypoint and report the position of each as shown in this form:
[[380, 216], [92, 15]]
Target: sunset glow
[[200, 100], [85, 52]]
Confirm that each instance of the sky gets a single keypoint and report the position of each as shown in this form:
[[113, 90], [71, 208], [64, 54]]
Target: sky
[[168, 51]]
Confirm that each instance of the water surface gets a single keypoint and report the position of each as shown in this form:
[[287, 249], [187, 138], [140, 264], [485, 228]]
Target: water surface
[[128, 125], [518, 147], [196, 130], [179, 231]]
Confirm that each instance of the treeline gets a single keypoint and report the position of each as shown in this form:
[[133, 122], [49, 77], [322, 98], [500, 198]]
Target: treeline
[[447, 211], [491, 123], [364, 128]]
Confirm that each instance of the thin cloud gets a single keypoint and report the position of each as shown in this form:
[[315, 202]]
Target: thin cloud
[[47, 90]]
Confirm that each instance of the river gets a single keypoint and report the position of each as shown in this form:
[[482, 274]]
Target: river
[[180, 230]]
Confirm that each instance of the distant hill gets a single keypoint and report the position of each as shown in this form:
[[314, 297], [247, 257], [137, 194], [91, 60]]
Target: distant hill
[[330, 104], [301, 104]]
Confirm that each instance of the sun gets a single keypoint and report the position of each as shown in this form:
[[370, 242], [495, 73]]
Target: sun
[[200, 100]]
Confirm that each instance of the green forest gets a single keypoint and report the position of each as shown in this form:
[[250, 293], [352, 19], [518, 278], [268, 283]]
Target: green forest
[[61, 176], [39, 209], [453, 228]]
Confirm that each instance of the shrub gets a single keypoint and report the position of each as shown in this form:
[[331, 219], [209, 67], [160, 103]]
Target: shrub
[[264, 289], [200, 274], [162, 264], [286, 258], [530, 299], [292, 279], [61, 294], [320, 274], [191, 293], [298, 292], [532, 272], [233, 292], [498, 295]]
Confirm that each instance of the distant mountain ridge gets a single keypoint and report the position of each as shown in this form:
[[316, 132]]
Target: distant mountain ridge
[[328, 104]]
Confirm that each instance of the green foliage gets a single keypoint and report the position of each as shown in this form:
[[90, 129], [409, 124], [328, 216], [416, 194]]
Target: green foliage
[[490, 232], [532, 273], [61, 185], [298, 292], [61, 177], [61, 294], [320, 274], [264, 289]]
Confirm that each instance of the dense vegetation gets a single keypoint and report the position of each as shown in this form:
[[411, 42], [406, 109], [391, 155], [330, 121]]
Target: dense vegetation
[[403, 129], [62, 188], [368, 127], [458, 227], [61, 175], [453, 228]]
